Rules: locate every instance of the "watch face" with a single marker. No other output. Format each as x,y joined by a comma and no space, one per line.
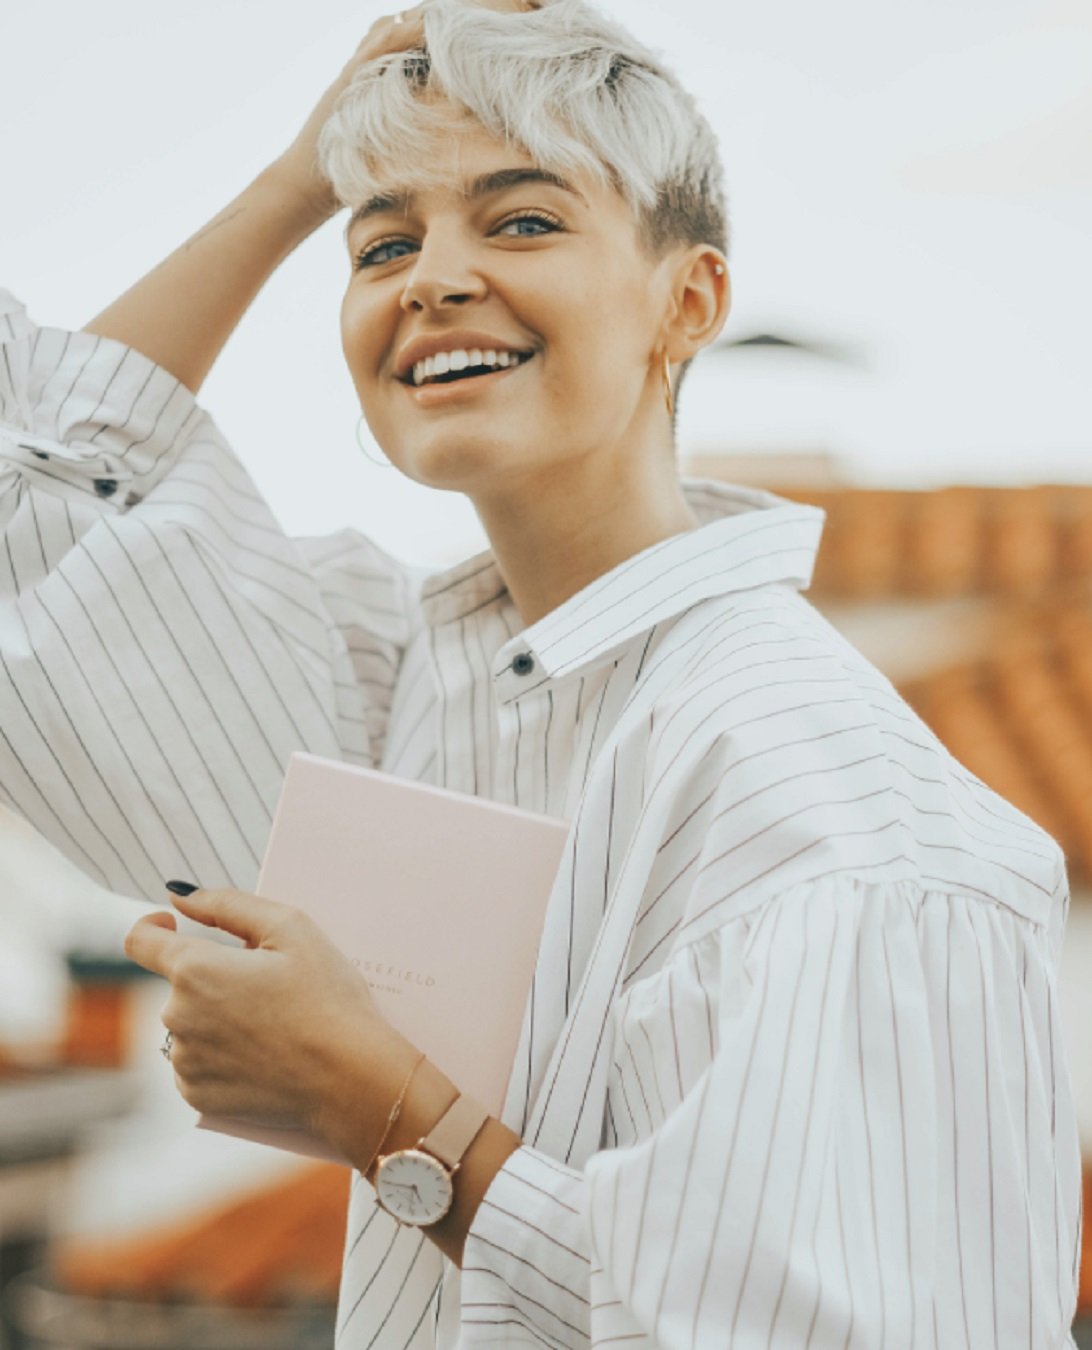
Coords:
414,1186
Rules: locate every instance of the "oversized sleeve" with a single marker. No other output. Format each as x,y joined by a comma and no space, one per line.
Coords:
371,597
164,645
843,1119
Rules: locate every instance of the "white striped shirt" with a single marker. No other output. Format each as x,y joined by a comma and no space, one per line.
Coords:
791,1072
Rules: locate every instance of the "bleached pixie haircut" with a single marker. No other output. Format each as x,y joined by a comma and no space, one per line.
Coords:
569,86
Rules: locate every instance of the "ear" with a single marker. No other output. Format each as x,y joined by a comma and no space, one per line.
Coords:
702,297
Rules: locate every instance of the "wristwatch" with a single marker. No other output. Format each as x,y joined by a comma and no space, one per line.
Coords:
415,1184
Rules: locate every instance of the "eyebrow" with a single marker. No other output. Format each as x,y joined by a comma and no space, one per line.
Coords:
498,181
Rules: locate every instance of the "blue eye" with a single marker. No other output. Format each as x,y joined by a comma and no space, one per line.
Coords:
374,256
370,256
546,223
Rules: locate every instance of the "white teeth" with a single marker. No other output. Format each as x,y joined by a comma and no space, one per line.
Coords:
462,359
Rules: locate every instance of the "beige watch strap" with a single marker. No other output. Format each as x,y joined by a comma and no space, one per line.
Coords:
456,1130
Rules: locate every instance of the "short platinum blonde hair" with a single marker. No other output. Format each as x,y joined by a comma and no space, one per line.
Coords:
562,81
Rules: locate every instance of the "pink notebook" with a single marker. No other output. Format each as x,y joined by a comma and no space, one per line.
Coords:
439,896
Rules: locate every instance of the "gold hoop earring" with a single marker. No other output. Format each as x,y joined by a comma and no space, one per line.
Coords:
669,393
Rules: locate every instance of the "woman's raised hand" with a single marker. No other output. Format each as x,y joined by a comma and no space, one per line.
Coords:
182,312
299,163
389,34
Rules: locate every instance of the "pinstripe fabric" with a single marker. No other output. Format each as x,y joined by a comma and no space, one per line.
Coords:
791,1071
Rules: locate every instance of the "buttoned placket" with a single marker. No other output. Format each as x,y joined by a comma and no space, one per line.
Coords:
523,693
516,671
479,726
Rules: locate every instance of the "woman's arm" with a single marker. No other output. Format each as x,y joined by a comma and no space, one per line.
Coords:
185,309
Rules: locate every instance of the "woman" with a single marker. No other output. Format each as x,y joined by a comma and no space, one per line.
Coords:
791,1070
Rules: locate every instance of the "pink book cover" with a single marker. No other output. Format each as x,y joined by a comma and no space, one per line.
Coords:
439,897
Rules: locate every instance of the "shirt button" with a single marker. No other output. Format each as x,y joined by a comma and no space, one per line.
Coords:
106,487
524,663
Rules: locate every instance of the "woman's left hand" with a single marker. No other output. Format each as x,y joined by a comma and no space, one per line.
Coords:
282,1030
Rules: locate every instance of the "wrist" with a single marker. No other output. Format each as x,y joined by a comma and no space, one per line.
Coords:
428,1096
359,1090
358,1124
306,194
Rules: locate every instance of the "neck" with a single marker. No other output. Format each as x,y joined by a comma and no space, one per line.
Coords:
556,533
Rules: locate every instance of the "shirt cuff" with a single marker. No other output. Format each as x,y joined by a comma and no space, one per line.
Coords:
88,410
527,1256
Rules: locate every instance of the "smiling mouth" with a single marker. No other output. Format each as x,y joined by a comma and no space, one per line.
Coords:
469,372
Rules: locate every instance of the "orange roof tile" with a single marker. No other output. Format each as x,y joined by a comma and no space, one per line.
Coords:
1017,542
1021,720
277,1243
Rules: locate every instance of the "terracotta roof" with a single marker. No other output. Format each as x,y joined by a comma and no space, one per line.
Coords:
1008,542
1021,720
277,1244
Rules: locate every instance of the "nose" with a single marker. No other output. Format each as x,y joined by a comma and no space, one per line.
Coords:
442,275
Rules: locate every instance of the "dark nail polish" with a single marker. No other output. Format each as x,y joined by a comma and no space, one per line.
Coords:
181,887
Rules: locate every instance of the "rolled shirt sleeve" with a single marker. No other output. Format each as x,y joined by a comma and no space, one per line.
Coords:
872,1154
527,1257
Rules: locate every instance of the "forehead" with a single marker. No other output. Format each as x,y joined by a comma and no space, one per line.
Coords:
465,162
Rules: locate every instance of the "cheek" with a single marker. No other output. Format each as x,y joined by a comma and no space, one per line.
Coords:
358,341
600,329
597,365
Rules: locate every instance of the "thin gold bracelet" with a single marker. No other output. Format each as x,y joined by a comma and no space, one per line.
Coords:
395,1109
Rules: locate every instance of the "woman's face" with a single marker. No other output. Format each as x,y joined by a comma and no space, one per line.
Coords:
549,277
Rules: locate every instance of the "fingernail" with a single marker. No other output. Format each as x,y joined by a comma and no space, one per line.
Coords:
181,887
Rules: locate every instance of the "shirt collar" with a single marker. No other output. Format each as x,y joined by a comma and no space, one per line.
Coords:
746,537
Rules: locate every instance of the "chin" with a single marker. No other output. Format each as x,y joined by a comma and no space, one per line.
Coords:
458,462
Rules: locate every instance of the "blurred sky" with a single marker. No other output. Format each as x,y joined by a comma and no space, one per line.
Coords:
912,182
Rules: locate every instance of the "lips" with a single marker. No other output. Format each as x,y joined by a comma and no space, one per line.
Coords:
453,391
464,372
435,344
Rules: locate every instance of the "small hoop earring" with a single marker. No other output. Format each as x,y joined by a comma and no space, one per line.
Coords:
382,463
669,393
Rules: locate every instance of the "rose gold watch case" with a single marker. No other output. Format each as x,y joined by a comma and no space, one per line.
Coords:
435,1165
